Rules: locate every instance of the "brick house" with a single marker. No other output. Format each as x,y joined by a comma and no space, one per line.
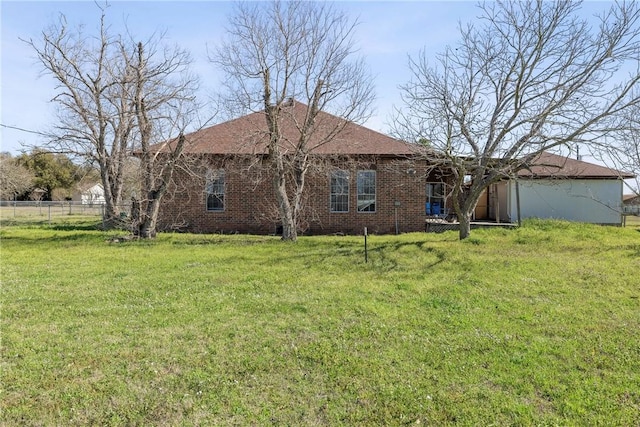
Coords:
360,178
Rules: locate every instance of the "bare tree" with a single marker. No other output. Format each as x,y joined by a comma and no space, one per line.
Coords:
624,151
531,76
116,97
278,54
15,178
162,92
94,120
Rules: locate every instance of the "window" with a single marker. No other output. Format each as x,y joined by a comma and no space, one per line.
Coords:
435,198
215,190
339,191
366,191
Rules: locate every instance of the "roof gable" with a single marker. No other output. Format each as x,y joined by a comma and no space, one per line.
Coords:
89,186
548,165
248,135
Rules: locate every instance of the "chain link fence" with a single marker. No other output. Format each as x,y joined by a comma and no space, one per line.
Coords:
51,212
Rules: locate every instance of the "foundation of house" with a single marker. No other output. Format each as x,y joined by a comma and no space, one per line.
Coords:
440,225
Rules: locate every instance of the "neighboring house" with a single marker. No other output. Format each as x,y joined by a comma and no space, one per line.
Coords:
89,194
631,204
361,178
557,187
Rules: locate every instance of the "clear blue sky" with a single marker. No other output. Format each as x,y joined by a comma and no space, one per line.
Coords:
388,32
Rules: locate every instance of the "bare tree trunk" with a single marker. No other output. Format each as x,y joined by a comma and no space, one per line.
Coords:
110,212
300,169
156,180
285,209
148,227
112,197
144,217
465,225
464,202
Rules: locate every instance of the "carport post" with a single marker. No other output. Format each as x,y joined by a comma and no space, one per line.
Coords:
518,203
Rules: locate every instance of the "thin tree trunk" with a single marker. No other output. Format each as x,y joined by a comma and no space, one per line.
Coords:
465,225
111,211
287,216
464,203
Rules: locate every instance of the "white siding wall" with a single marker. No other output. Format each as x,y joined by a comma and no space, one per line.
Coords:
93,195
595,201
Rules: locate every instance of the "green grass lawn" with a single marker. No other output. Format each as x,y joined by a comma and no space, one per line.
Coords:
633,221
534,326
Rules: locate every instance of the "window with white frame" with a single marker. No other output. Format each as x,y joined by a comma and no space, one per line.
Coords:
339,191
435,198
215,190
367,191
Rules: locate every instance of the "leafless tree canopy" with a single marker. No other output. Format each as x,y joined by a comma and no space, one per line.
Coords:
93,121
15,179
161,91
279,53
116,96
624,151
530,76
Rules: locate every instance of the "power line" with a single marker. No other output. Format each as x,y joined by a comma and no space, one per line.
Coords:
25,130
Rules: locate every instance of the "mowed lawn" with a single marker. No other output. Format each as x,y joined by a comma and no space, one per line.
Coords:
534,326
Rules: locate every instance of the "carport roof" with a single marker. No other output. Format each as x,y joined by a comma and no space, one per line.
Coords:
548,165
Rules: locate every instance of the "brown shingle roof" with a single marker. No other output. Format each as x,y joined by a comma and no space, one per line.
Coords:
247,135
549,165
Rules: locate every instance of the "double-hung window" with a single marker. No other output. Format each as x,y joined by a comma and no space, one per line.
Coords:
339,191
215,190
367,191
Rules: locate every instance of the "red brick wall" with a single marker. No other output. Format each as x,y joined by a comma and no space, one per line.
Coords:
250,204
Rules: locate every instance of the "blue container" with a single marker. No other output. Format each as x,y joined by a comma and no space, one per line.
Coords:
436,209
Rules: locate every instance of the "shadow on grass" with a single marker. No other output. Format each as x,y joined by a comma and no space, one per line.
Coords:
44,233
220,240
381,257
55,239
635,250
383,250
97,226
46,225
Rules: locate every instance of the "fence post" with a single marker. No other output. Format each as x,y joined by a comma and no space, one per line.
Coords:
49,214
366,252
